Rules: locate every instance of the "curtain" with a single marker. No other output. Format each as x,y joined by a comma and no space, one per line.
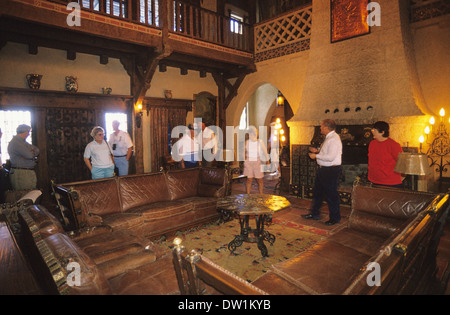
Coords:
162,121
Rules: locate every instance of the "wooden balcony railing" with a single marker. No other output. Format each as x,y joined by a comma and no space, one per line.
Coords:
182,18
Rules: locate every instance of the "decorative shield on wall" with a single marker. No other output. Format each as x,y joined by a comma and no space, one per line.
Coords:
205,107
348,19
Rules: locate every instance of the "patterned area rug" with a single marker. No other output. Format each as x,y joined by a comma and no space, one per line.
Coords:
246,261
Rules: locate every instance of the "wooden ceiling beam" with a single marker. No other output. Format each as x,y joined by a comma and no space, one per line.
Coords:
44,36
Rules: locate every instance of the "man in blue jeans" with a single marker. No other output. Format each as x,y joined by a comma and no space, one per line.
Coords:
329,160
122,148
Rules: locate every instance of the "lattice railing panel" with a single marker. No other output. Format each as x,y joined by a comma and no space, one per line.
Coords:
427,9
287,29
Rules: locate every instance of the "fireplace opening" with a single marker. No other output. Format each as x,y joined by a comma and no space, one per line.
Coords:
355,145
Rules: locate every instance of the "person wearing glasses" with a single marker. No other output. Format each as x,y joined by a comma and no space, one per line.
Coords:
23,158
98,156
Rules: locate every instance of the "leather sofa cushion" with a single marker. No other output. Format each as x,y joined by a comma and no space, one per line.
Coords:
88,232
326,268
44,220
399,204
120,221
202,202
112,268
157,278
98,197
163,210
273,284
139,190
366,243
374,224
212,176
109,245
183,184
116,252
208,190
92,280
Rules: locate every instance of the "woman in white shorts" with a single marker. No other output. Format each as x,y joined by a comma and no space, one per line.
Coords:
254,150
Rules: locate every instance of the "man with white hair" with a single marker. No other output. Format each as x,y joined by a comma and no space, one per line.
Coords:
122,148
23,157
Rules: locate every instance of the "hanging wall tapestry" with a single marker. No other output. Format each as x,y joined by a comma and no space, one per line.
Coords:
348,19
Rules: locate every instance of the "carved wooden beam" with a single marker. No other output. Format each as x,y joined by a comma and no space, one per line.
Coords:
232,88
144,73
146,70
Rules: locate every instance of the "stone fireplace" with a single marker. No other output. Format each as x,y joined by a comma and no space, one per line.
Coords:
358,81
355,141
355,145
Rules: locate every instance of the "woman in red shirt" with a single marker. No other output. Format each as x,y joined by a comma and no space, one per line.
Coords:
383,153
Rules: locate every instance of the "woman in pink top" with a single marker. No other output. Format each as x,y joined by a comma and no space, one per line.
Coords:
383,154
255,151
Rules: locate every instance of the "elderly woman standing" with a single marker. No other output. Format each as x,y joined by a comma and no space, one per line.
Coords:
97,155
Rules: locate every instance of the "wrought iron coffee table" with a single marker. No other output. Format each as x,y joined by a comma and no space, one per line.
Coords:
261,206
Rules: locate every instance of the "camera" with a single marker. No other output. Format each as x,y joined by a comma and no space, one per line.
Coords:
114,146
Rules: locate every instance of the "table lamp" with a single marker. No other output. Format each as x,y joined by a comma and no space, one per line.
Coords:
415,164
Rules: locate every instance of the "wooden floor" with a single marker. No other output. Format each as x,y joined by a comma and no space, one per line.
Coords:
293,215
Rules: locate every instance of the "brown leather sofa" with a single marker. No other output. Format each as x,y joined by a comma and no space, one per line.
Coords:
398,230
92,261
106,231
149,204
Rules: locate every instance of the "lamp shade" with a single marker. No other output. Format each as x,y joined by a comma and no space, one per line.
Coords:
412,164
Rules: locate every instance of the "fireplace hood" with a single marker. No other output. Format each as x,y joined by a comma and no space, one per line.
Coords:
362,79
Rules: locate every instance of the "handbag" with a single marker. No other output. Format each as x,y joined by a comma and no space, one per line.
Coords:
116,169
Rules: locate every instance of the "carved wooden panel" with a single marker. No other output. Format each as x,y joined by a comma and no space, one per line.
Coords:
68,133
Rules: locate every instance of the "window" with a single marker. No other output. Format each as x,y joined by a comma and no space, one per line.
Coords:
120,117
119,6
9,121
149,12
243,123
236,23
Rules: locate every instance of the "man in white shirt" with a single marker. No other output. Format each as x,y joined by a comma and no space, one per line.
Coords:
208,141
329,160
122,148
187,149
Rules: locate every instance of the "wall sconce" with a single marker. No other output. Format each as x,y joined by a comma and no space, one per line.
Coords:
280,99
139,115
440,144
